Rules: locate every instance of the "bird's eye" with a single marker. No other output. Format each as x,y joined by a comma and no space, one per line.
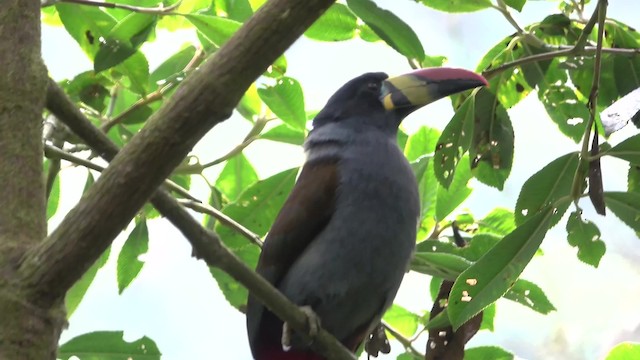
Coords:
374,86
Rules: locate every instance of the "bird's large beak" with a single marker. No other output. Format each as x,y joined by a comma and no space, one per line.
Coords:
413,90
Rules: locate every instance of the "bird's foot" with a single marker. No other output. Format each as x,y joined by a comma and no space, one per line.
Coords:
313,324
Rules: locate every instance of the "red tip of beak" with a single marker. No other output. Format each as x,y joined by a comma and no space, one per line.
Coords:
443,73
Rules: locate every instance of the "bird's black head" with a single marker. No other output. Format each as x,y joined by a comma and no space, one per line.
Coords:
375,100
358,98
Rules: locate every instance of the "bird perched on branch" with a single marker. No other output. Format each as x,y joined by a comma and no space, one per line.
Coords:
344,238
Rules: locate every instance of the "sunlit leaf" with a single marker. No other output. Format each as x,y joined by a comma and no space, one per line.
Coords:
336,24
491,276
530,295
284,133
286,100
236,176
546,187
75,295
108,345
456,6
402,320
624,351
487,353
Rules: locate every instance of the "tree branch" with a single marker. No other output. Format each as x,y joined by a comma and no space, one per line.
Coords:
202,102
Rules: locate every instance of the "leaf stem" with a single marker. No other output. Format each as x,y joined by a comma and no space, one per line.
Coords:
159,10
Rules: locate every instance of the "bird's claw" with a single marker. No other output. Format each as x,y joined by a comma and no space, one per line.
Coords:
313,324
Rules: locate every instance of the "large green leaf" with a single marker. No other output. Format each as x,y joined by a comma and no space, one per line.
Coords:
215,29
86,24
135,73
487,353
336,24
492,276
499,221
256,209
173,67
586,236
123,40
236,176
627,150
457,6
516,4
491,150
441,265
108,345
402,320
449,199
129,264
626,206
421,143
566,108
286,100
454,142
389,27
624,351
633,179
530,295
238,10
546,187
74,296
284,133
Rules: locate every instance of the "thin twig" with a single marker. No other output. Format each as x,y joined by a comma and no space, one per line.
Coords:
160,10
157,95
408,345
223,218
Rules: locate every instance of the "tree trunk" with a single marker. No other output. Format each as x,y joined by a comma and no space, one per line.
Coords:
26,331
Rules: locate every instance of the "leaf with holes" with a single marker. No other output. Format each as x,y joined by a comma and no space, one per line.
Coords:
454,142
530,295
86,24
108,345
626,206
546,187
586,236
286,100
256,208
449,199
492,276
124,40
491,149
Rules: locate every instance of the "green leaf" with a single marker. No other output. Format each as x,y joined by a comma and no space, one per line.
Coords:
624,351
492,145
215,29
458,191
566,108
86,24
421,143
586,236
136,73
546,187
124,40
454,142
336,24
236,176
75,295
286,100
628,150
250,105
90,88
284,133
530,295
256,209
516,4
488,316
402,320
487,353
428,188
129,264
626,206
442,265
633,179
457,6
239,10
499,221
626,70
491,276
173,67
101,345
389,27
